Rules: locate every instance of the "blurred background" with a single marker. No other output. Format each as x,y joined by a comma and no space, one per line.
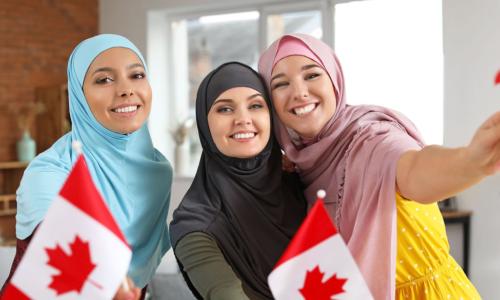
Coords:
434,60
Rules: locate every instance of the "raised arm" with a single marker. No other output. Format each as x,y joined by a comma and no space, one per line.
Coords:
435,173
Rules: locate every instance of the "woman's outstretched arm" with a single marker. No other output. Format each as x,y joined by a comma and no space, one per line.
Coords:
435,173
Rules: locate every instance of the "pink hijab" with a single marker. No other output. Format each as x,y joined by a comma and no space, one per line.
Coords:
354,159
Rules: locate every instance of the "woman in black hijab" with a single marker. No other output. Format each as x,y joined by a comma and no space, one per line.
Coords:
241,210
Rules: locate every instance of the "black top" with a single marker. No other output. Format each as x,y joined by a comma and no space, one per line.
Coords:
249,206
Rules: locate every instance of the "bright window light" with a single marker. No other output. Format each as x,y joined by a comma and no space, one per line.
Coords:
392,55
243,16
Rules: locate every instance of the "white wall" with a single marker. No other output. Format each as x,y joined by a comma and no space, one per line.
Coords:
472,57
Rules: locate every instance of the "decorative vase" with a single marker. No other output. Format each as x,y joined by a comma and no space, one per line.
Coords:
26,147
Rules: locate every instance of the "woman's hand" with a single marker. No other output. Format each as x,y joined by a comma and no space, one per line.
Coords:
484,149
133,292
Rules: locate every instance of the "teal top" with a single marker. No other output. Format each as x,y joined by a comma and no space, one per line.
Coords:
133,177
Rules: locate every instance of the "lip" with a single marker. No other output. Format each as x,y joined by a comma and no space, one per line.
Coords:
292,110
125,105
125,115
231,136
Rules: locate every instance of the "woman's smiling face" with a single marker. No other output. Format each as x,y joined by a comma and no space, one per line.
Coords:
117,91
303,95
239,122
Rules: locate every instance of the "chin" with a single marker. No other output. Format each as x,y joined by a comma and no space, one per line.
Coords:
127,130
246,154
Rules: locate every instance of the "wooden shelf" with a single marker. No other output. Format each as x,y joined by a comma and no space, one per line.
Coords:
13,165
8,205
456,214
8,243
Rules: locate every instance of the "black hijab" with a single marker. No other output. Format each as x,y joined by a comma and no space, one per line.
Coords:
249,206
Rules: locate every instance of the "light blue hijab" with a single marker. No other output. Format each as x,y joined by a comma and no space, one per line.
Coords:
133,177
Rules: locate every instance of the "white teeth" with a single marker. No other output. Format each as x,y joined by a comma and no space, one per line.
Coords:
244,135
304,109
126,109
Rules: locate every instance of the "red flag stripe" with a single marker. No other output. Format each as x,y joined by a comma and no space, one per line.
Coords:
316,228
497,78
79,189
13,293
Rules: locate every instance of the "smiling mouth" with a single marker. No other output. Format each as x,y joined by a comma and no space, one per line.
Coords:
243,136
299,111
126,109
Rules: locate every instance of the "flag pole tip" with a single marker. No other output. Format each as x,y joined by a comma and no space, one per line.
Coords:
77,146
321,194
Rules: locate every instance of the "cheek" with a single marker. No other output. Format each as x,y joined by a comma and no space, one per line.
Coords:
97,104
279,102
217,127
144,89
281,112
267,121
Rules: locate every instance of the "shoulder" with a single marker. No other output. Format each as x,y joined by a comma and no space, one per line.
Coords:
55,159
48,170
382,132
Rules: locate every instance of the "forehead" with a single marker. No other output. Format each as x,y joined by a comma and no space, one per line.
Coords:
237,93
293,63
115,57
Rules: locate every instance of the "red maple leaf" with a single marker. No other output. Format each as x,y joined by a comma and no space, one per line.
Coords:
75,267
315,289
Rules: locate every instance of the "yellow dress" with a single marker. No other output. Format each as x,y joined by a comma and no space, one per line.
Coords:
424,267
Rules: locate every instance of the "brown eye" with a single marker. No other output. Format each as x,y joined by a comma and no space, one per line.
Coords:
224,109
279,84
140,75
312,76
103,80
256,106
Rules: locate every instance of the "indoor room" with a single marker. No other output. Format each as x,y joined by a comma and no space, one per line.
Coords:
435,61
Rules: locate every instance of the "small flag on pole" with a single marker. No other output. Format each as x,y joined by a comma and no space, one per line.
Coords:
78,251
317,264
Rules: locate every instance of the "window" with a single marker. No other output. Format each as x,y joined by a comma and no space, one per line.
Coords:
390,57
200,43
294,22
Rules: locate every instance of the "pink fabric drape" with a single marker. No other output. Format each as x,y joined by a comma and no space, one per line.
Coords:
354,159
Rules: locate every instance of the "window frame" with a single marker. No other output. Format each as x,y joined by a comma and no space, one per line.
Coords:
166,115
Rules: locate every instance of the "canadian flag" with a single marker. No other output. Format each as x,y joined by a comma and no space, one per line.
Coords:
317,264
78,251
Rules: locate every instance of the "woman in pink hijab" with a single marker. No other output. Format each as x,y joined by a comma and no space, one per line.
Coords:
382,182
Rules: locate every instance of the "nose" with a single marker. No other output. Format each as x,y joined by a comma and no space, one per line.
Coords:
300,90
124,90
243,117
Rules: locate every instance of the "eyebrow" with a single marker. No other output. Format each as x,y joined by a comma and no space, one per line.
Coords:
303,68
108,69
231,100
222,100
255,96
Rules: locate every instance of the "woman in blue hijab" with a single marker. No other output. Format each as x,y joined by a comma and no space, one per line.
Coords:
109,103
